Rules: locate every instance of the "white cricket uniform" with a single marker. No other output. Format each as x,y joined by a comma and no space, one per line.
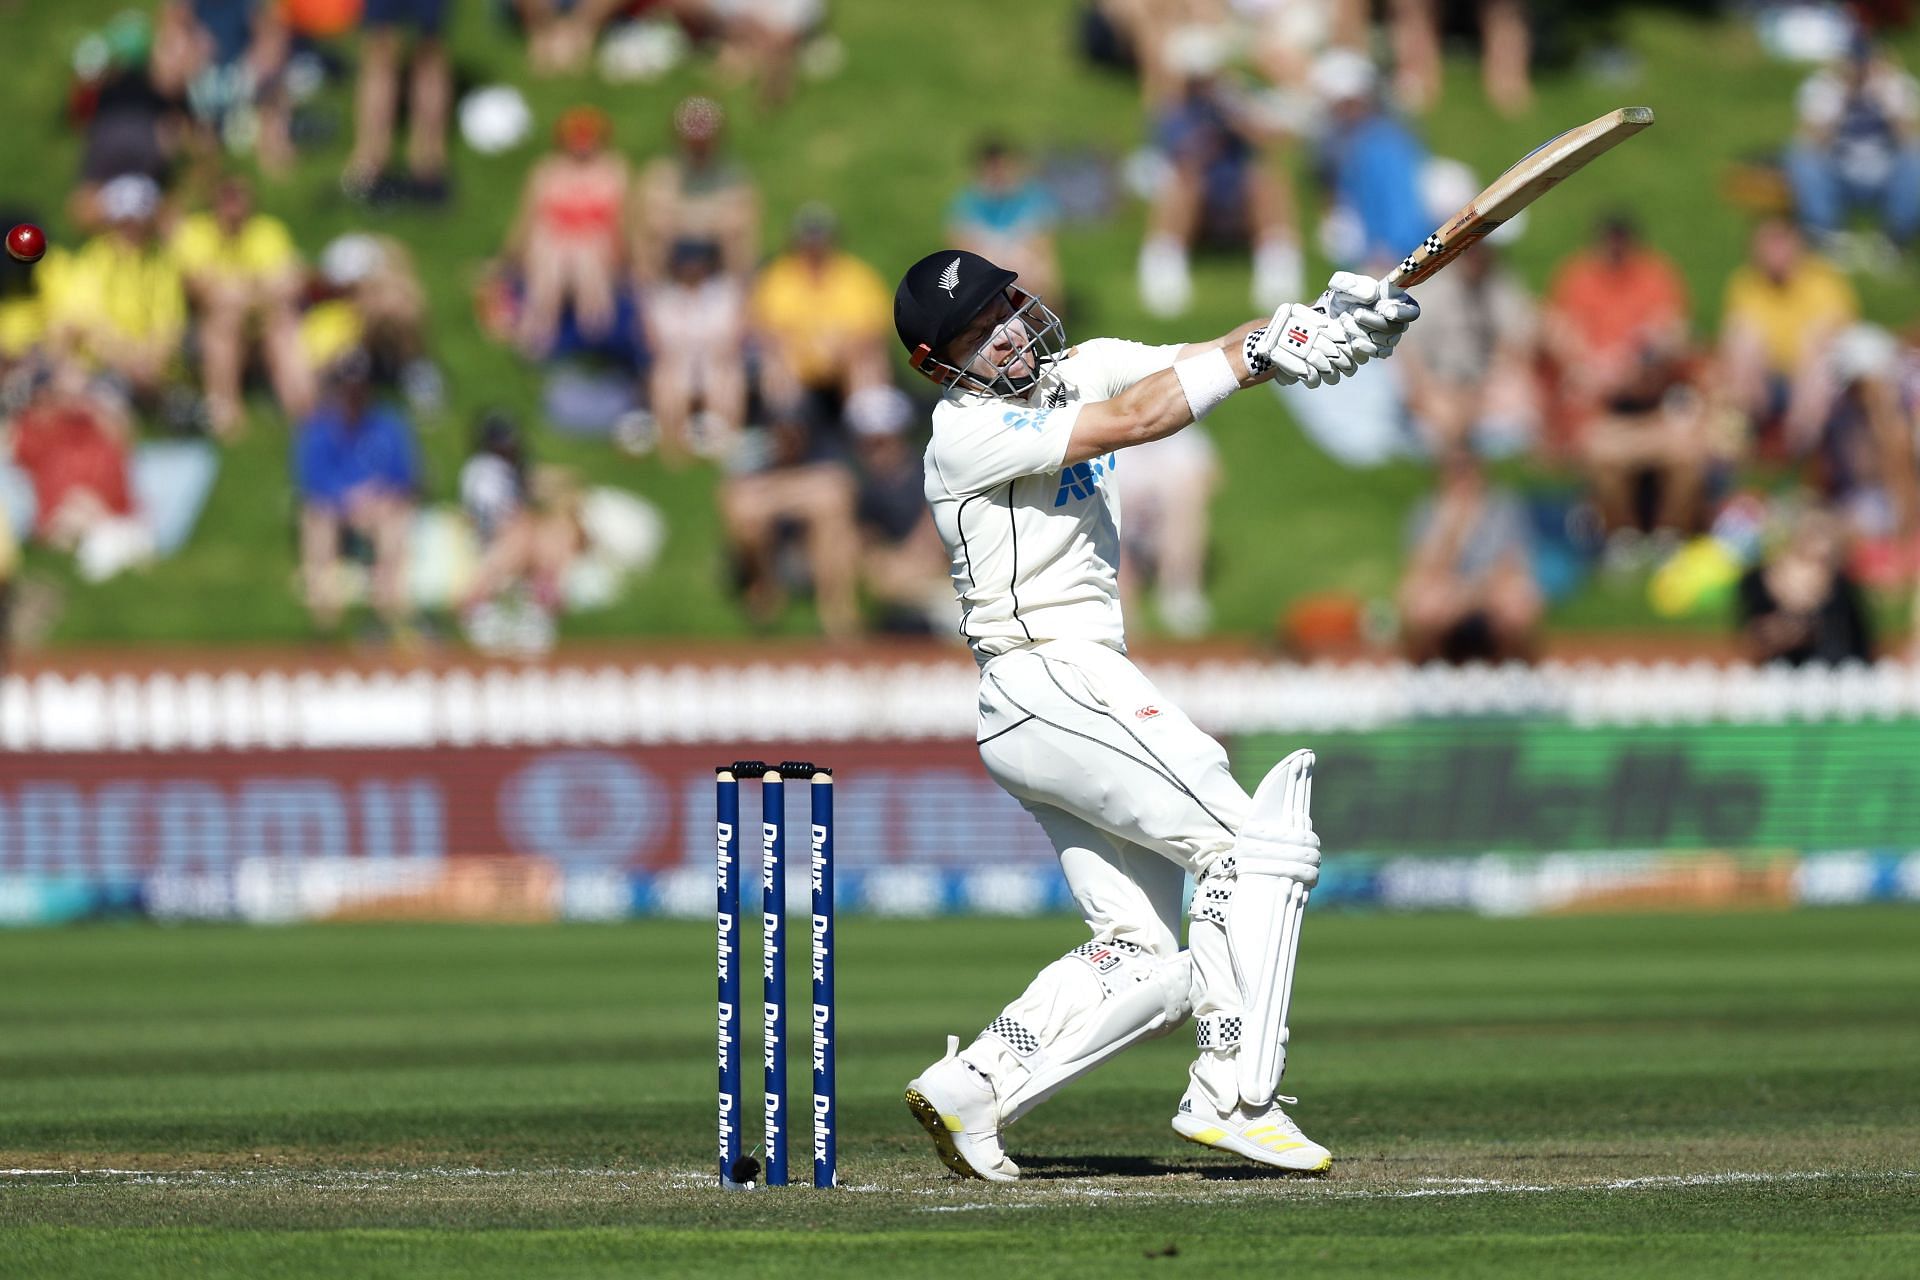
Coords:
1133,795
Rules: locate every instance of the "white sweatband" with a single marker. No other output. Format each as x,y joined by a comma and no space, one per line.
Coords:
1207,378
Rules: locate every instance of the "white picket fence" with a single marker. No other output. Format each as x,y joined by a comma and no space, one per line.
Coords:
768,702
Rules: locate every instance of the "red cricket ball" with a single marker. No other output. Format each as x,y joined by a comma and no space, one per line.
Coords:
27,242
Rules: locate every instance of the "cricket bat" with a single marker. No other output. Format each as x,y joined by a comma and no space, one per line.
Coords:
1538,172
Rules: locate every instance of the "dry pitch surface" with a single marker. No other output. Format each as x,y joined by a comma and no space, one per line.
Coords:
1670,1095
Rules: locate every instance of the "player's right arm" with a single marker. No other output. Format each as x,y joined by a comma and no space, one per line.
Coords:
1157,405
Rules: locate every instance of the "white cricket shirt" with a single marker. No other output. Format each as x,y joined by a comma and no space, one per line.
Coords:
1035,545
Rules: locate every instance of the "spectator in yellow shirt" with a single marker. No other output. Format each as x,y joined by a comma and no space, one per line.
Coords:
821,316
243,275
119,303
1783,310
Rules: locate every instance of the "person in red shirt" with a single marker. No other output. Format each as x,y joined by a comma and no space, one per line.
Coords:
75,449
1616,329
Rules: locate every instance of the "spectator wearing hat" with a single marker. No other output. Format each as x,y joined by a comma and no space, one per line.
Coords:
696,330
821,319
699,193
119,303
529,530
244,277
1370,164
566,241
372,300
357,474
1858,147
428,71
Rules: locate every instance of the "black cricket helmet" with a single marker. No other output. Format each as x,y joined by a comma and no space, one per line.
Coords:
943,294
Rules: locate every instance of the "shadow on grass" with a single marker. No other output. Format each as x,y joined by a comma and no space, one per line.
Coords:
1089,1166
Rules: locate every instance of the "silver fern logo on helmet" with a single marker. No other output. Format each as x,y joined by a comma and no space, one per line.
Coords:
950,278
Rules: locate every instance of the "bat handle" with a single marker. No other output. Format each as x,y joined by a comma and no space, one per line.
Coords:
1324,303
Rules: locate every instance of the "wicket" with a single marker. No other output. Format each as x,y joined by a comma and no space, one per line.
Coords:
734,1173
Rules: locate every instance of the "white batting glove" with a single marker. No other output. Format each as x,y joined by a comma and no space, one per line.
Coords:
1300,345
1371,314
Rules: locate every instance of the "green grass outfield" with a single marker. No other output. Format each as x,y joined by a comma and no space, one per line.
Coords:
1731,1095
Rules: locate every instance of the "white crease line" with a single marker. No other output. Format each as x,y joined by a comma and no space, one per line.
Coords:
1041,1194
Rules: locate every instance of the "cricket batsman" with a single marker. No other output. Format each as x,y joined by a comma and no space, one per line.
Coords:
1134,797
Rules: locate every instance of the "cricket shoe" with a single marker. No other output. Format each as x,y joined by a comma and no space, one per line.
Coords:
1267,1136
954,1103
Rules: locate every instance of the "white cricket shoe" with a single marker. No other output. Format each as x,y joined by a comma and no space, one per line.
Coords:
954,1103
1267,1136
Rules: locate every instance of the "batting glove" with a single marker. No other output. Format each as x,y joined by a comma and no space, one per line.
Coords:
1300,345
1371,314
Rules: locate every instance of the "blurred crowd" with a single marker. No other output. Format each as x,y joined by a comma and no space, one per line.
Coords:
1592,427
1761,470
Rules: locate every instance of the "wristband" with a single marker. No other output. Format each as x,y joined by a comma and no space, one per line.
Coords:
1207,379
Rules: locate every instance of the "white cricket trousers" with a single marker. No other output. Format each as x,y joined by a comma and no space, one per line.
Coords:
1134,798
1133,795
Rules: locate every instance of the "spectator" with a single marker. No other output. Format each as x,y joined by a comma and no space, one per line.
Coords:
697,193
1163,38
244,277
1468,593
1783,309
1216,188
1801,606
760,41
74,448
429,75
784,488
371,299
561,33
1470,379
566,240
1630,408
239,59
1867,446
529,532
1166,489
357,476
696,332
1007,217
1858,147
902,563
1506,46
133,111
119,303
1370,164
821,317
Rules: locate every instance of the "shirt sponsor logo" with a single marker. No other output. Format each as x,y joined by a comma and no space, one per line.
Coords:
1024,419
1082,480
1147,712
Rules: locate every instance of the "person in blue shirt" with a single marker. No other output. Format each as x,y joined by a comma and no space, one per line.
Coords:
357,472
1371,164
1007,216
